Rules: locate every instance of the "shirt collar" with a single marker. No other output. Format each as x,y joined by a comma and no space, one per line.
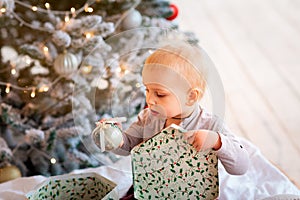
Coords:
192,116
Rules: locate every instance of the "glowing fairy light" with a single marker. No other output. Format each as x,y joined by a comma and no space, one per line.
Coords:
32,94
119,69
13,71
73,10
34,8
88,9
87,69
7,89
47,5
67,18
88,35
45,49
44,88
138,85
3,10
53,160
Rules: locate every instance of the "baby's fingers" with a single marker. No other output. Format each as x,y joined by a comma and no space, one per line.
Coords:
189,136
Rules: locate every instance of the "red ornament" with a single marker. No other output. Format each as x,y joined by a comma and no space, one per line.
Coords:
175,12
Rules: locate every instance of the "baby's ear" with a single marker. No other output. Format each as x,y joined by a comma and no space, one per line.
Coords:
193,96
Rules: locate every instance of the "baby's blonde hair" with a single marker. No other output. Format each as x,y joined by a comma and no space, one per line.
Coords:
185,59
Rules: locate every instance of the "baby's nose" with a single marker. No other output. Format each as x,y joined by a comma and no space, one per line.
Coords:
151,99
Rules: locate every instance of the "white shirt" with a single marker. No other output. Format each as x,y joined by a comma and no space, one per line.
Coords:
233,156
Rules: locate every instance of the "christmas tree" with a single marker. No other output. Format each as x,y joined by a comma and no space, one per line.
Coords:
65,65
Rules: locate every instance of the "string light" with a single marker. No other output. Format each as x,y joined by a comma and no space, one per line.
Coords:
88,35
119,69
88,9
3,10
7,89
13,71
46,52
47,5
138,85
32,94
53,160
46,49
34,8
44,88
85,8
73,10
87,69
56,12
67,18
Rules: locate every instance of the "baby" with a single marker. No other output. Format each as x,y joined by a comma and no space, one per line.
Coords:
175,80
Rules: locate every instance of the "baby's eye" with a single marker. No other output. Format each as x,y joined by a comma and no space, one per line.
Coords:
161,95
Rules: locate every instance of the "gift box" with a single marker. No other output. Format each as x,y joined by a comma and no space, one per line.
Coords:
167,167
75,186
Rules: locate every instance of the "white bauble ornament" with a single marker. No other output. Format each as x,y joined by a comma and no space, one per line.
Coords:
107,135
132,20
66,63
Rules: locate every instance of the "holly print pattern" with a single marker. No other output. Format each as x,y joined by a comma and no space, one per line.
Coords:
167,167
75,187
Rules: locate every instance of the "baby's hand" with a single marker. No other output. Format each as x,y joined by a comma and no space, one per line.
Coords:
107,135
116,121
203,139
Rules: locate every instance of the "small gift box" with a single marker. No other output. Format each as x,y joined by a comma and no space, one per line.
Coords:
167,167
75,186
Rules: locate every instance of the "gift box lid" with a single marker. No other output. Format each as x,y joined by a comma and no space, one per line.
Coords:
167,167
75,186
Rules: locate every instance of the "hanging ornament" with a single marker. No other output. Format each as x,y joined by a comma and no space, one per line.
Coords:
174,13
66,64
9,173
132,20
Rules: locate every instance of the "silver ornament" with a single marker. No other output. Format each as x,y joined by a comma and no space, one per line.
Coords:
132,20
107,136
66,64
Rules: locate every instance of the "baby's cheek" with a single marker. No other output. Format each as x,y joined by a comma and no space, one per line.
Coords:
162,111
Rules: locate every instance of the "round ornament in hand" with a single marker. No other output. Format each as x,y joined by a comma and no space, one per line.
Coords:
132,20
66,64
107,136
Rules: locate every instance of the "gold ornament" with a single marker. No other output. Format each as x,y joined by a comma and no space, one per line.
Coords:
9,173
66,64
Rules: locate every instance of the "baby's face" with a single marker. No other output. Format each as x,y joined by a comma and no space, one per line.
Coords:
166,91
163,103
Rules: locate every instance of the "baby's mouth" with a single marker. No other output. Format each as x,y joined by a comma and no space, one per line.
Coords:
154,112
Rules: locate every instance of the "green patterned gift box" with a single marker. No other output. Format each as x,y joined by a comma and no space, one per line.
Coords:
167,167
76,187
